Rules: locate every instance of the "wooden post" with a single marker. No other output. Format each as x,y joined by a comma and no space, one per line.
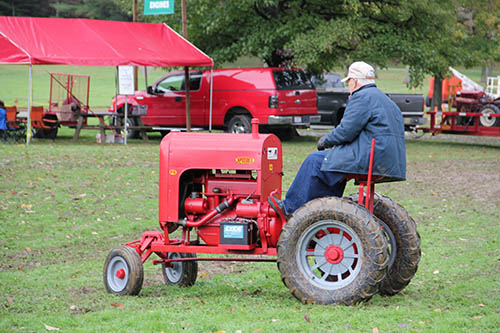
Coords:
134,19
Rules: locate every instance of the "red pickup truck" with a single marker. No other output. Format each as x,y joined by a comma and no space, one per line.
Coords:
281,99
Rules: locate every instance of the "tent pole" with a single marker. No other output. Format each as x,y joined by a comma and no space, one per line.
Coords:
30,102
211,94
115,118
125,126
188,98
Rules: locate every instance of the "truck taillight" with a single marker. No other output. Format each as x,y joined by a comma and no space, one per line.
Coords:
273,101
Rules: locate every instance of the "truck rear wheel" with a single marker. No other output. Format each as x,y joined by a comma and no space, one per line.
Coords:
487,120
404,243
239,124
332,251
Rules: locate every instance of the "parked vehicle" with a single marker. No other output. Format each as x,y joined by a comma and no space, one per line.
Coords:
332,100
281,99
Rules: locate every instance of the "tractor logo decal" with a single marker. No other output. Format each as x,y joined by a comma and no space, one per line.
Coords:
244,160
172,172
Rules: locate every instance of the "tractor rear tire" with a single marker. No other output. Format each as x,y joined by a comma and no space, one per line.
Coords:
181,273
123,271
332,251
404,243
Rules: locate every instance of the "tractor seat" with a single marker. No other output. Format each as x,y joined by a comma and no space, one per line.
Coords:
363,178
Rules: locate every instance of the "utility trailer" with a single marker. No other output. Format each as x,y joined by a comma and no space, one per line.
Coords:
477,112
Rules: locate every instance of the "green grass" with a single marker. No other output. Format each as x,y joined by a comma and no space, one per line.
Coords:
64,206
14,83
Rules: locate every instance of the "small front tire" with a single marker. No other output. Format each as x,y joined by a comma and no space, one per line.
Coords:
123,271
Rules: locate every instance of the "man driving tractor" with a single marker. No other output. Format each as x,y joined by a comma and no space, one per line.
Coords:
369,114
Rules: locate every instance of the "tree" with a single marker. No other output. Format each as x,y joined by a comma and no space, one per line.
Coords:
25,8
92,9
320,34
481,22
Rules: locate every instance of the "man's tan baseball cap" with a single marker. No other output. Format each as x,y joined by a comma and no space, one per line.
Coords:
360,70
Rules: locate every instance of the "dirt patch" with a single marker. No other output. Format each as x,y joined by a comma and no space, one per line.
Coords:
475,180
207,269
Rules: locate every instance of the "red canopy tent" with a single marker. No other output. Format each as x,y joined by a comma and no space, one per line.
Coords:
84,42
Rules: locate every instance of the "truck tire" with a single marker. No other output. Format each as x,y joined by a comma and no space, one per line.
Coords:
181,273
486,120
239,124
332,251
123,271
131,134
403,240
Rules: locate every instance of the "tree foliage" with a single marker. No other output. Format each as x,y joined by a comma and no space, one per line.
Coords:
25,8
92,9
481,29
318,35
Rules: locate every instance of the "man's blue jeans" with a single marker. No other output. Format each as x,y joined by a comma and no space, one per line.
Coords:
311,183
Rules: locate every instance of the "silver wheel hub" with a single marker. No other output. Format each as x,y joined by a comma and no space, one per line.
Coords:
329,254
117,274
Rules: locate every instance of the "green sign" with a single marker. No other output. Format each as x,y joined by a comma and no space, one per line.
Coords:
157,7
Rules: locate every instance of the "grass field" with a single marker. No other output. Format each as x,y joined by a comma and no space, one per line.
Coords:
64,206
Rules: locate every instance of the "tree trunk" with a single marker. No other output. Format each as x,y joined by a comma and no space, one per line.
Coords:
437,93
486,71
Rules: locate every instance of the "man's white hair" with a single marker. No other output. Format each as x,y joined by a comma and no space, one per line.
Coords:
364,82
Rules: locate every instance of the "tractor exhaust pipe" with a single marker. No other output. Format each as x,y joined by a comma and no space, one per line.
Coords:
255,128
219,209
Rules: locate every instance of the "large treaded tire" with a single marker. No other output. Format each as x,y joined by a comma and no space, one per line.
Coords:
403,229
332,223
182,273
123,271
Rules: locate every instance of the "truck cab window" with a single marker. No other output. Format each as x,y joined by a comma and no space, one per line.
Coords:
176,83
170,83
194,81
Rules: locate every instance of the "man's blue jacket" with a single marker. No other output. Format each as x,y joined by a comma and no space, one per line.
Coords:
369,114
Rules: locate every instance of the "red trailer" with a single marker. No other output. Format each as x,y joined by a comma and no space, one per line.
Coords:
476,114
477,109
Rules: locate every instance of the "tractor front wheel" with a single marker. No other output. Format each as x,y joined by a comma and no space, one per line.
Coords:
180,273
332,252
123,272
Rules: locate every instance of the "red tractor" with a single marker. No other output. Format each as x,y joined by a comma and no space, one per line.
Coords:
221,190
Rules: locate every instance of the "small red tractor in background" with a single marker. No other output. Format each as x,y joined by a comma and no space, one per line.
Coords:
221,189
